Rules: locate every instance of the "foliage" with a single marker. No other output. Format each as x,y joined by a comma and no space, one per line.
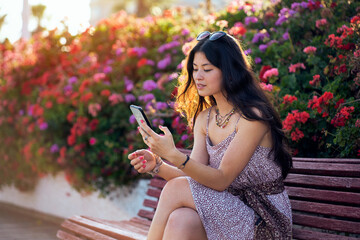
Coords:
65,99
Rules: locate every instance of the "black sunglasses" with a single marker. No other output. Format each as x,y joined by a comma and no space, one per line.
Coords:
213,36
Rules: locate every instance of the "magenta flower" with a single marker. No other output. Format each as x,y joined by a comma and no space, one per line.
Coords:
161,105
129,85
54,148
162,64
184,137
107,69
130,98
72,80
149,85
92,141
263,47
258,60
185,31
43,126
147,97
132,119
285,36
249,20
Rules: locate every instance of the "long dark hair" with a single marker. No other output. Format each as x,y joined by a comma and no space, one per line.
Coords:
240,87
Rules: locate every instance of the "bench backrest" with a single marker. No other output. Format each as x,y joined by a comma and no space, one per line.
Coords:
324,195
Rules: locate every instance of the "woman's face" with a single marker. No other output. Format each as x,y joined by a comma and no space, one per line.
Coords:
207,77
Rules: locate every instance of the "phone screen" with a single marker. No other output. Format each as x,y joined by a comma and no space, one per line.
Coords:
139,115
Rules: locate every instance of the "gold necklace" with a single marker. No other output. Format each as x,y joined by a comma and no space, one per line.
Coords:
222,121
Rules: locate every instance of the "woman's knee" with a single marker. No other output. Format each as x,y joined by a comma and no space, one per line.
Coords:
183,221
174,188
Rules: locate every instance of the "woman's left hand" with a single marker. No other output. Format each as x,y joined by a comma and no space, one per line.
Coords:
162,145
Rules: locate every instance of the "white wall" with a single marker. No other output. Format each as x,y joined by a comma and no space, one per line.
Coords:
54,196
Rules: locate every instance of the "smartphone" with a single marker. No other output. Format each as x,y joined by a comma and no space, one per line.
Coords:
139,115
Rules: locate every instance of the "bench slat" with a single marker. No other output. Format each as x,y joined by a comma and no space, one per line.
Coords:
303,234
327,209
116,233
141,221
327,160
324,195
128,225
331,169
323,181
146,214
64,235
83,231
153,192
150,203
157,183
326,223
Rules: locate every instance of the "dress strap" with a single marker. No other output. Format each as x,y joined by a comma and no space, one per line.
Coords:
236,123
207,124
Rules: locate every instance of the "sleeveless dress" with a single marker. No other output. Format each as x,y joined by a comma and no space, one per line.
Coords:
223,215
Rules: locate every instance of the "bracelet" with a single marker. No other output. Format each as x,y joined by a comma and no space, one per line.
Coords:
157,166
183,165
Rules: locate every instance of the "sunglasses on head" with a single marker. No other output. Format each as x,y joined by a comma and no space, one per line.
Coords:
213,36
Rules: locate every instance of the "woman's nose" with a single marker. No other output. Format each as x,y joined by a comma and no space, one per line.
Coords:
198,75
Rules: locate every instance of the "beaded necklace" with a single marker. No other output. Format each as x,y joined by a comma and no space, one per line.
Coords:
222,121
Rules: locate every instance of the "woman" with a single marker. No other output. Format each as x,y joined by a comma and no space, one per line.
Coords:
231,187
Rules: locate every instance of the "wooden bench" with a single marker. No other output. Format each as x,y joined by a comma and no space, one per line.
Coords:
324,195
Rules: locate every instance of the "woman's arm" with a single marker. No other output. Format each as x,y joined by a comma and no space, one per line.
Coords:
236,157
198,153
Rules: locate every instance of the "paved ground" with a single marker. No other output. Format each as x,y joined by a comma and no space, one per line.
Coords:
17,224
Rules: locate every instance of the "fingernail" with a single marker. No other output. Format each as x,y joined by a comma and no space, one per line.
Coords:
144,161
144,166
141,157
142,121
138,128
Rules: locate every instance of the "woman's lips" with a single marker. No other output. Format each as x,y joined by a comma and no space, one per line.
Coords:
200,86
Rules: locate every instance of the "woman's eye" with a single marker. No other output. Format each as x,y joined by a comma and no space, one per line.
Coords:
195,70
208,70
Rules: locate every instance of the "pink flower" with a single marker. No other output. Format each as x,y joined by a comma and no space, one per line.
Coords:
99,76
92,141
115,98
321,22
315,81
222,24
310,50
272,72
294,67
94,109
266,87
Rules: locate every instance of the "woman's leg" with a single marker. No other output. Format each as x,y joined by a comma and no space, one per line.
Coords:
184,224
175,194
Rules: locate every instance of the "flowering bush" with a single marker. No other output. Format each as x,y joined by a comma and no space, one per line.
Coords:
65,99
307,55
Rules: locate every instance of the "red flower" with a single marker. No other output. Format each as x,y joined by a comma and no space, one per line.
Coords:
141,62
105,93
289,121
341,117
339,102
93,124
87,97
289,99
297,135
70,116
316,79
71,140
262,72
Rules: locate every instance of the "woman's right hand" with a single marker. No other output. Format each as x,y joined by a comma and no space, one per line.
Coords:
143,160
